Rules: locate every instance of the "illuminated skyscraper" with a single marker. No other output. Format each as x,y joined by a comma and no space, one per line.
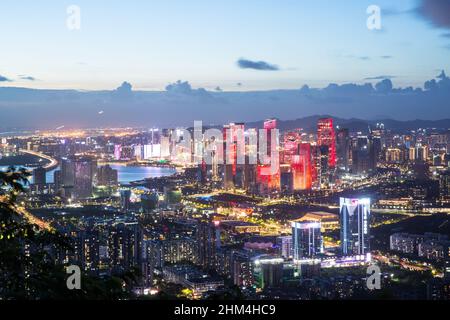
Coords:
269,182
375,150
67,173
117,152
241,268
270,124
297,156
302,168
39,176
395,155
207,244
284,245
106,176
85,172
83,250
291,143
354,221
444,184
362,156
125,243
343,149
228,177
249,179
165,147
286,178
306,239
422,152
326,137
214,166
76,177
320,166
231,135
271,274
125,199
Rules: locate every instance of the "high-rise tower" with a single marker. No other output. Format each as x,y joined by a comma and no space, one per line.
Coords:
354,220
326,136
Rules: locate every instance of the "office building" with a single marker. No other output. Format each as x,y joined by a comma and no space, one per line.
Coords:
284,245
326,136
354,221
343,149
39,176
306,239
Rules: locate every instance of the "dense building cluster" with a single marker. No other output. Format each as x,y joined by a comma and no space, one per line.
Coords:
287,216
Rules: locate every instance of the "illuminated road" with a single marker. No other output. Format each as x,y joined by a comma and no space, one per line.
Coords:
399,212
27,215
20,209
403,263
53,162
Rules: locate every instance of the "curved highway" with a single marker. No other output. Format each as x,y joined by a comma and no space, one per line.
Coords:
53,162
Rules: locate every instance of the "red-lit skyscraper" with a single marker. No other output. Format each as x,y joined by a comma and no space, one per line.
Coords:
270,125
326,136
291,144
302,168
269,181
231,149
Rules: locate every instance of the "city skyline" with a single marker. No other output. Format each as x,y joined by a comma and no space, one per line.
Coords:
241,151
320,220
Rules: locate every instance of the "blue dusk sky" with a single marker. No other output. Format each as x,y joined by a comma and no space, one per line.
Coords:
234,45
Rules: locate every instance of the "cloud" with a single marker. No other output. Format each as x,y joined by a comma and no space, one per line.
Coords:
257,65
442,75
125,88
362,58
384,86
395,12
380,77
442,84
4,79
167,109
437,12
304,89
124,92
29,78
185,88
347,90
368,58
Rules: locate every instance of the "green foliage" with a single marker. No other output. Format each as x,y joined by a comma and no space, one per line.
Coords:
27,268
